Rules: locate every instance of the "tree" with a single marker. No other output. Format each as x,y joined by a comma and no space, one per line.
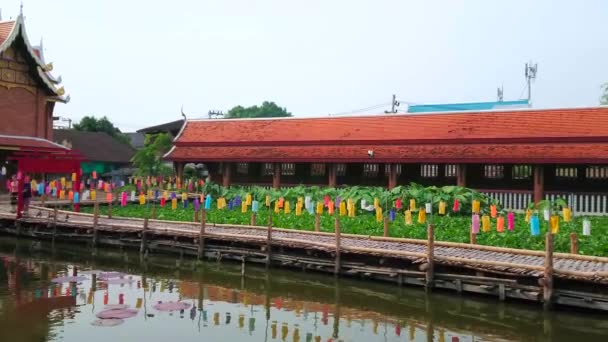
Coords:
148,160
93,124
604,97
266,110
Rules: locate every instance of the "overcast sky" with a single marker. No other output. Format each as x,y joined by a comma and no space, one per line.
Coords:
138,62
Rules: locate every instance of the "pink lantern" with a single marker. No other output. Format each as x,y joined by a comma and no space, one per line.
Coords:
475,224
510,221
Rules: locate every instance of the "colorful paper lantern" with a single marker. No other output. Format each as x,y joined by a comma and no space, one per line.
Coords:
287,208
485,223
342,209
244,207
428,207
421,215
442,206
586,227
511,221
412,205
208,202
163,201
456,206
546,214
330,208
76,198
567,214
255,206
109,197
230,204
475,224
248,199
268,201
493,211
528,215
408,217
500,224
376,203
476,206
398,203
174,204
554,224
142,199
378,214
93,195
299,209
319,208
534,226
392,215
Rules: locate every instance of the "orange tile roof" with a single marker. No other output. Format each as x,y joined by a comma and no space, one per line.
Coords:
577,135
6,27
580,124
28,143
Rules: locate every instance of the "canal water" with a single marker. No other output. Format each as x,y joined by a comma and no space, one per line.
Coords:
58,294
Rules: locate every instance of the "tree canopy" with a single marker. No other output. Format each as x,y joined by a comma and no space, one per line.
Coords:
148,160
266,110
103,124
604,97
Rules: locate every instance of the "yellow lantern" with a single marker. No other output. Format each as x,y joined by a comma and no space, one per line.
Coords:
298,209
319,208
174,204
93,195
184,196
554,224
528,214
166,195
268,201
62,194
485,223
287,207
412,205
376,203
277,208
378,214
421,215
343,208
142,199
567,214
476,206
442,206
300,200
248,199
244,207
408,217
63,182
73,176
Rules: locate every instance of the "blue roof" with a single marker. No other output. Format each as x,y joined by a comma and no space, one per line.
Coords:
453,107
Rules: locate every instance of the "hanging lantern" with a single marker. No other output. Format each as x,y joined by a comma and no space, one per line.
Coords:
197,205
567,214
62,179
546,214
326,200
330,208
230,204
500,224
109,197
421,215
493,211
208,202
337,202
76,198
342,208
476,206
174,204
511,221
281,202
94,174
244,207
299,209
248,199
442,206
408,217
142,199
392,215
456,206
133,196
554,223
428,208
485,223
378,214
185,204
287,208
412,205
376,202
268,201
319,208
586,227
255,206
351,209
163,201
534,226
71,195
123,199
93,195
173,195
475,224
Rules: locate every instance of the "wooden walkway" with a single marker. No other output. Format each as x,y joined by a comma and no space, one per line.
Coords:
516,273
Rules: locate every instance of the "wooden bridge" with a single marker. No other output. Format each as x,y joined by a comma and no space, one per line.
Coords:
541,276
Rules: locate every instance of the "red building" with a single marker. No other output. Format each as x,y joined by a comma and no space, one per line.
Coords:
28,93
516,155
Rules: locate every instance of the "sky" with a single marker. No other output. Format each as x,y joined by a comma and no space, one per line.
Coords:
139,62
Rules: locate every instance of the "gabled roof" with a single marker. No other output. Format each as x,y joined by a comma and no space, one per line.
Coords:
12,30
95,146
574,135
23,143
173,126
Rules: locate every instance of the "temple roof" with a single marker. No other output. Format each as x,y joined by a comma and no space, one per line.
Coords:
95,146
10,31
22,143
573,135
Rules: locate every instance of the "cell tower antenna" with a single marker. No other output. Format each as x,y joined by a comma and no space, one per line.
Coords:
530,73
500,93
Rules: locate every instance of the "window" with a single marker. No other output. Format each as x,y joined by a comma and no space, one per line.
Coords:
242,168
522,172
317,169
429,170
370,170
288,169
340,170
596,172
566,172
451,170
494,171
387,169
267,169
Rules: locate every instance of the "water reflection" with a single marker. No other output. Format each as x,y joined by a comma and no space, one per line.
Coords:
57,294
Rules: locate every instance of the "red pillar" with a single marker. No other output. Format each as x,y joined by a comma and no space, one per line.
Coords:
331,175
226,174
76,188
392,176
539,183
276,175
461,175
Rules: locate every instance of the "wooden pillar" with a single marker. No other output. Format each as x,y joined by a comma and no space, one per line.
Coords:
539,183
331,174
392,176
269,241
179,169
226,174
201,235
430,253
461,175
276,175
548,274
338,237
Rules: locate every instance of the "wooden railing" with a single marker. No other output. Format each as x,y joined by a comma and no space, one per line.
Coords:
581,203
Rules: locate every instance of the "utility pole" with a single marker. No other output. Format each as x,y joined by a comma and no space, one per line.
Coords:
394,105
530,75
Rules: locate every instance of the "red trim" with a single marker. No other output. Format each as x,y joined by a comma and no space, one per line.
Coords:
505,141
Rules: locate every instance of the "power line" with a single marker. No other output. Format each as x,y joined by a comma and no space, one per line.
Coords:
362,109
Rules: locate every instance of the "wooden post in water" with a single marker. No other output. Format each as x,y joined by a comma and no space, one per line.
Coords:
548,273
95,222
201,236
142,247
386,226
154,211
338,237
253,219
317,222
55,213
269,241
195,216
430,252
573,243
110,208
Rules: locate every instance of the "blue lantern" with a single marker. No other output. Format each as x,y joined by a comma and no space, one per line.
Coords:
534,226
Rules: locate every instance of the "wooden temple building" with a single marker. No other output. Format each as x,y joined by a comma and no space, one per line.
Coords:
527,152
